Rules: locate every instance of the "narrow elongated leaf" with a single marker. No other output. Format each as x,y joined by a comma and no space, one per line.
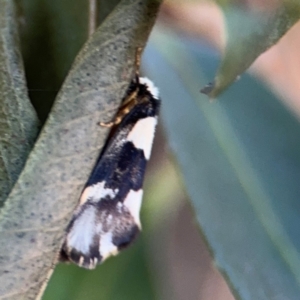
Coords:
19,123
240,161
40,205
249,34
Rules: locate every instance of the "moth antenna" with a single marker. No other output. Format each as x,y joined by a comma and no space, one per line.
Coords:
138,55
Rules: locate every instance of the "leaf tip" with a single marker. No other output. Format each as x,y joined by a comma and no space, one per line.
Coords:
208,89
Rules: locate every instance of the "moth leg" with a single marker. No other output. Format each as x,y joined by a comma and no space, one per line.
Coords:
128,103
130,100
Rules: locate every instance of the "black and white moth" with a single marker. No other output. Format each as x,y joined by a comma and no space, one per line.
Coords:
106,219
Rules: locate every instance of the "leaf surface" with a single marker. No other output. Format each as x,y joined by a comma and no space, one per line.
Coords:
19,123
239,157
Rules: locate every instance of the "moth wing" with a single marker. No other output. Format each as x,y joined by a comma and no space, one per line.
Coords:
101,227
81,245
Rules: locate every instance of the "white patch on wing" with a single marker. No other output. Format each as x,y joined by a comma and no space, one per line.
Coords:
151,87
133,202
81,261
93,263
106,247
82,232
142,135
96,192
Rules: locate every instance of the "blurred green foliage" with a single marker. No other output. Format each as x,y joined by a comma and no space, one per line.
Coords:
123,277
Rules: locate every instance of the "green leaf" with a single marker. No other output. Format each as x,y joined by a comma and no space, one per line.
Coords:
249,34
19,123
42,201
240,160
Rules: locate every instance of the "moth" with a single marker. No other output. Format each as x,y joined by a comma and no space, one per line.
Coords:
106,219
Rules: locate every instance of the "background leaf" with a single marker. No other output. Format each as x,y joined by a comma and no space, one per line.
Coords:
249,34
240,160
19,123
